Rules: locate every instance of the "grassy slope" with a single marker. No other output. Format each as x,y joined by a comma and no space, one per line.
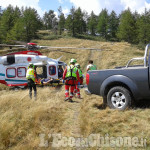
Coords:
22,119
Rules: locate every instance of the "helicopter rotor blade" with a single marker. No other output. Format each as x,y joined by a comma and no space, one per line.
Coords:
5,45
57,50
12,50
78,48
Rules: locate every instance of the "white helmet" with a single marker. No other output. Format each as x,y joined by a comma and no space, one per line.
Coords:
72,61
77,65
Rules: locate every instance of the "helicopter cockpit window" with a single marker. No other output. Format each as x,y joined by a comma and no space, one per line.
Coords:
41,71
52,70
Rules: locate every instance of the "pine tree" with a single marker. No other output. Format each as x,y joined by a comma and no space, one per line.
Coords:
55,25
102,26
85,21
143,26
32,23
78,21
18,32
92,23
70,25
1,13
127,27
75,22
61,23
16,16
7,22
48,19
113,25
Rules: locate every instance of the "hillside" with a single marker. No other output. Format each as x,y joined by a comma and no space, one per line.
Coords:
25,121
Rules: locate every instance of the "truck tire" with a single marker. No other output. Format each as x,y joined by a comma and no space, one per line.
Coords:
118,98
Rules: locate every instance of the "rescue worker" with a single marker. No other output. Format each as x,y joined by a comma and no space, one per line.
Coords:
77,90
71,77
31,80
91,66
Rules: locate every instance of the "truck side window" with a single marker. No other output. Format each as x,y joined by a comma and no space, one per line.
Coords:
52,70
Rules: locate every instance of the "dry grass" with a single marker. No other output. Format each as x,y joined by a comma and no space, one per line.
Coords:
22,119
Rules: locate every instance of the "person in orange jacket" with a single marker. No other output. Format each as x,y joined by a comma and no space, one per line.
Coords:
71,77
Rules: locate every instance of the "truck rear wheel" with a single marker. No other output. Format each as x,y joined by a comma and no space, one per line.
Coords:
118,98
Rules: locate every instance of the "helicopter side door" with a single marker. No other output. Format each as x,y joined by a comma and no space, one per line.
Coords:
41,71
52,70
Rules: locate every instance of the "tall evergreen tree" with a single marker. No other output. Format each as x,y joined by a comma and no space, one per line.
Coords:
92,23
75,22
1,13
18,32
78,21
70,26
7,22
55,25
48,19
113,25
143,26
32,23
16,16
127,27
85,21
102,26
61,22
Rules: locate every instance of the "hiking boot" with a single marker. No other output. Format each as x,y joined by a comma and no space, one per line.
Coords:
70,100
79,97
67,98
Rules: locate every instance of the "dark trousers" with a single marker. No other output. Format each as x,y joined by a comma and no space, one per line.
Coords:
31,85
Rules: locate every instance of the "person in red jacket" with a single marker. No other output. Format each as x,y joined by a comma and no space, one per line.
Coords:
71,77
77,90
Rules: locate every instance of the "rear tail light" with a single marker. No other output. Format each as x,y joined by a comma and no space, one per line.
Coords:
87,78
